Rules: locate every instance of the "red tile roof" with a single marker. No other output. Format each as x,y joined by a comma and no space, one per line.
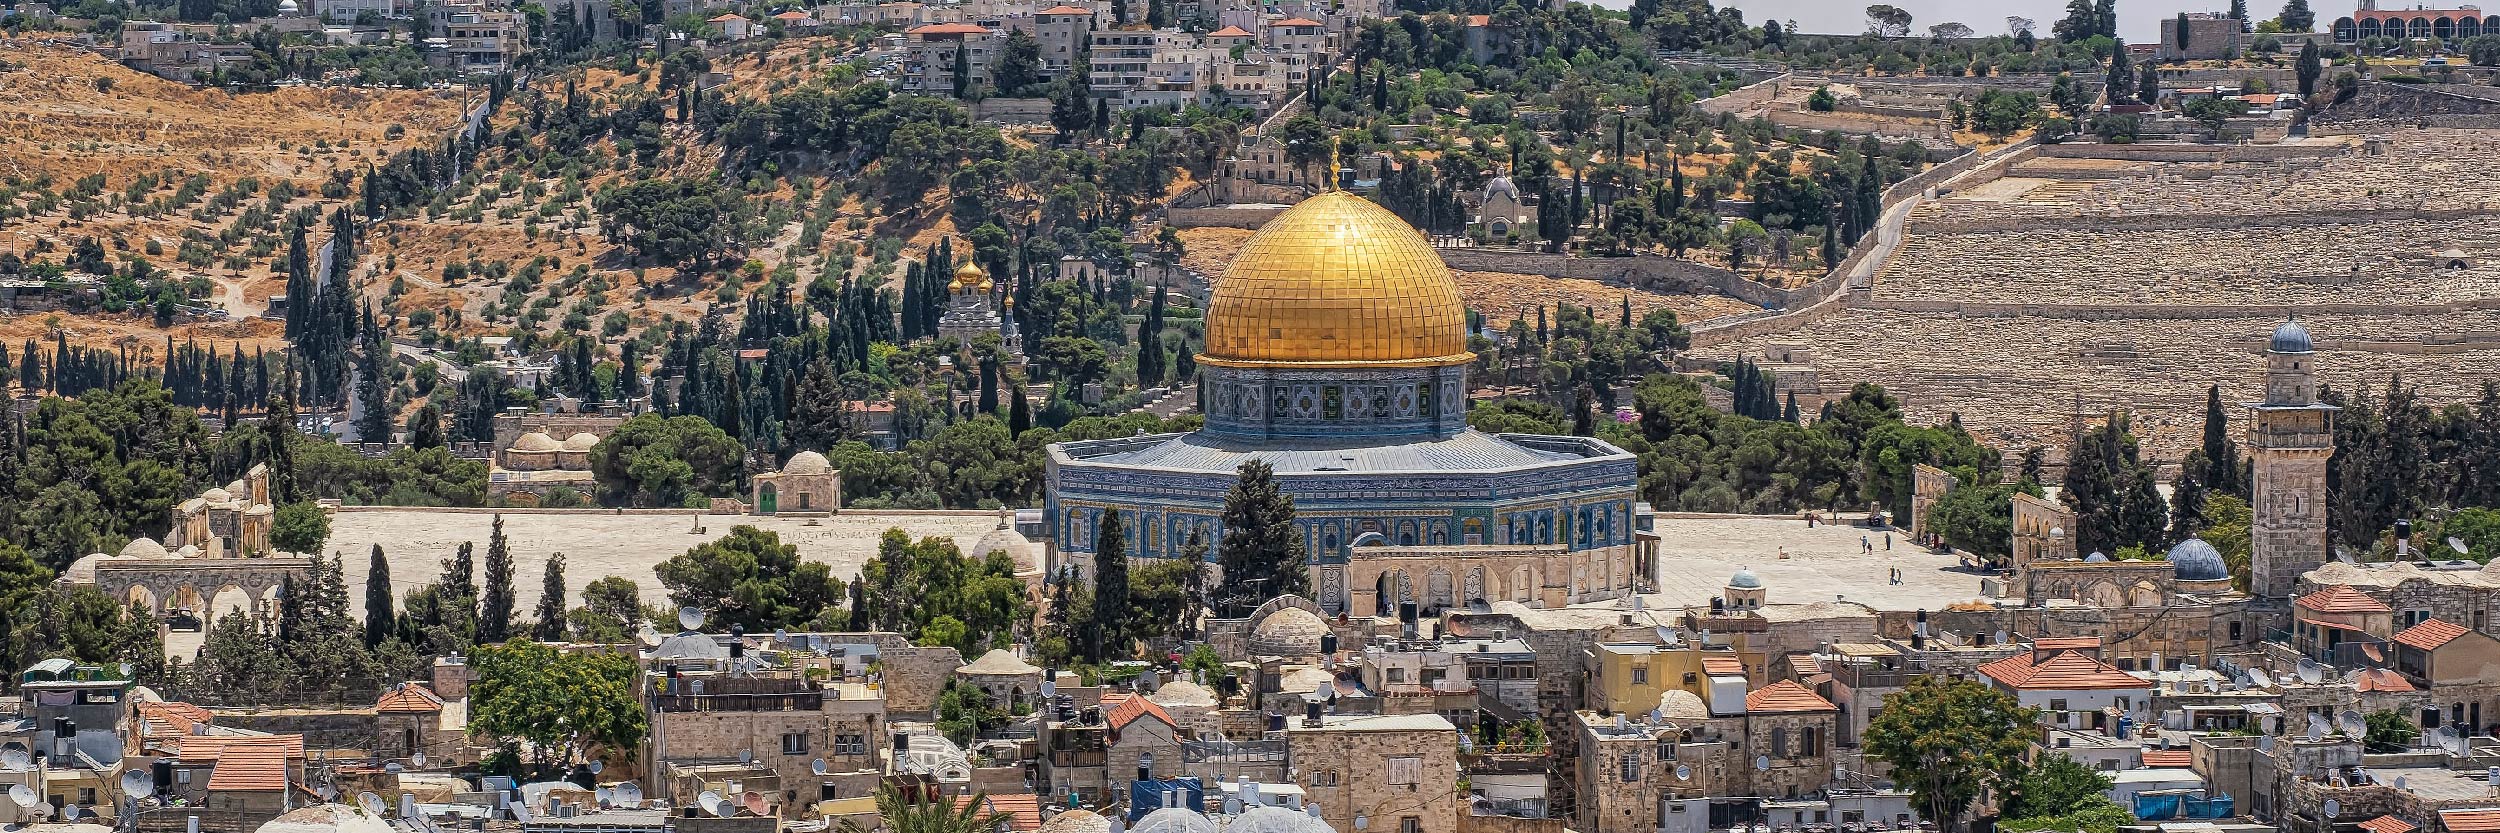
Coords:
1786,696
2062,643
1063,9
164,720
2430,634
2387,824
726,18
1299,21
408,698
255,763
2381,679
1132,708
2063,671
1479,20
2470,821
1023,810
792,14
1722,666
2167,758
1229,32
2341,598
948,29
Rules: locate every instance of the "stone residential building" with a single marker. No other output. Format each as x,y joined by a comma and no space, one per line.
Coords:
1390,772
2459,666
1788,728
929,52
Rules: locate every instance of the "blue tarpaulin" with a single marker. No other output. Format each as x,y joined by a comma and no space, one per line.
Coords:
2170,805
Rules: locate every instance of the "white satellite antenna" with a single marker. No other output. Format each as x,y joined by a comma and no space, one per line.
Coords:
2400,782
1762,763
607,797
690,618
137,782
372,803
710,802
780,635
816,766
2333,808
649,635
15,758
69,812
2352,723
329,794
24,796
2345,555
1683,772
2457,545
416,759
2309,671
1232,806
127,670
746,756
629,794
596,765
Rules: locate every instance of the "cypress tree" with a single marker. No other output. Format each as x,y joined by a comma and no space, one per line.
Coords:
1019,414
1109,634
551,625
457,592
494,620
2220,455
988,402
378,616
2187,502
1261,553
1184,363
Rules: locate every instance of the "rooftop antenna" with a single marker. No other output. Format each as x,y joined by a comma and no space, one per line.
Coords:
2457,545
15,759
629,795
137,782
372,803
710,801
690,618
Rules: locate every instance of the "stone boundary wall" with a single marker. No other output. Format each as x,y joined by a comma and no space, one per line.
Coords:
2141,312
1648,270
2184,152
532,510
1012,110
1743,98
1240,217
1821,299
2358,127
2173,222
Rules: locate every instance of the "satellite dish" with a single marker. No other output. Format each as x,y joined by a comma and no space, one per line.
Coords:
2400,782
2309,671
596,766
372,803
417,759
2333,808
607,797
746,756
137,783
756,804
1683,773
24,796
1232,806
2457,545
1762,763
710,802
629,794
394,768
690,618
128,669
69,812
15,758
2345,555
329,794
649,635
780,635
816,766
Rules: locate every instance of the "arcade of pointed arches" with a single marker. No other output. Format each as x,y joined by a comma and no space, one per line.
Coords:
2433,24
208,589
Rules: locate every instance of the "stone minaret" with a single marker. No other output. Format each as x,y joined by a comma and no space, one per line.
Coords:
2290,437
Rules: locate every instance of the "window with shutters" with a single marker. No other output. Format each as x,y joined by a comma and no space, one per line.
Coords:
1405,771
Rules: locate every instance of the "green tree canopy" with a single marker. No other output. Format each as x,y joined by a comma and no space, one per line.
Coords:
751,579
562,703
1949,741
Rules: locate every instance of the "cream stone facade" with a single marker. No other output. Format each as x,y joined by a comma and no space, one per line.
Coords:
1393,772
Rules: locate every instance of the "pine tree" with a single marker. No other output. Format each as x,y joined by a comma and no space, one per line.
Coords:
494,610
378,616
1108,636
551,625
1184,363
1261,553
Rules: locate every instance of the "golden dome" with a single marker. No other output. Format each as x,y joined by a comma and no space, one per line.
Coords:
1336,281
970,275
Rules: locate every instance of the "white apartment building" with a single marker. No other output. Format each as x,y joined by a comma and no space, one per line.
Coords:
929,56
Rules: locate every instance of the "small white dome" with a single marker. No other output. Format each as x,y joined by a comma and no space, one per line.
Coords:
144,547
1678,704
1745,580
288,7
217,495
584,441
536,441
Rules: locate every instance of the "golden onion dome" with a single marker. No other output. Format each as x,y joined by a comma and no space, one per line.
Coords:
1336,281
970,275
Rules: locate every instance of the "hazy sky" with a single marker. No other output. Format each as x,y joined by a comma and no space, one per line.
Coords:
2138,20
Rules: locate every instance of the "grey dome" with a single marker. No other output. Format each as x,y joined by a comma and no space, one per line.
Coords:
2198,561
2290,338
2096,558
1744,580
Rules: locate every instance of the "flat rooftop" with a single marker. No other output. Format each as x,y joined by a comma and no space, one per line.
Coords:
1825,563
